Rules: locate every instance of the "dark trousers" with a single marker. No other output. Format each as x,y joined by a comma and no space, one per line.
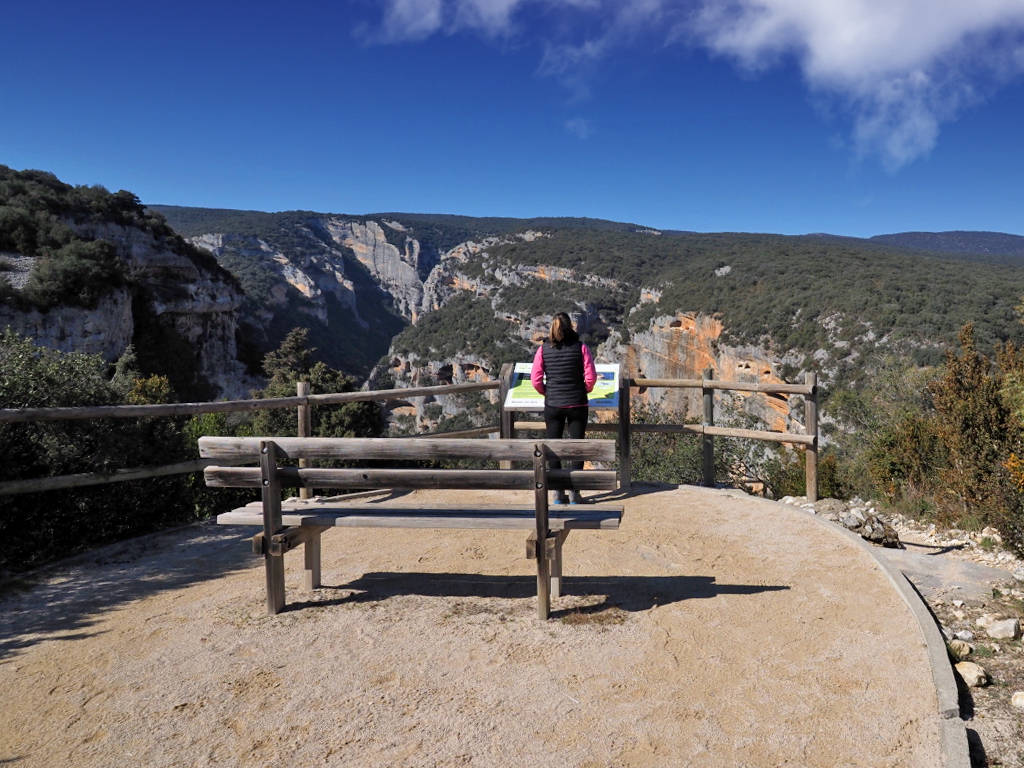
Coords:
556,420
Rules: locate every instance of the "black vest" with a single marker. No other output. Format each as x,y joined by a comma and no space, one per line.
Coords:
563,374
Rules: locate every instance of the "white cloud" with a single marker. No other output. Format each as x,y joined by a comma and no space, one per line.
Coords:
901,67
573,63
580,127
898,68
493,17
409,20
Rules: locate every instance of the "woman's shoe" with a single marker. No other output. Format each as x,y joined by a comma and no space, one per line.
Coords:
575,498
559,498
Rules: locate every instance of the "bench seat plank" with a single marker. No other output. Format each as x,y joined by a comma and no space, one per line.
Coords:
590,516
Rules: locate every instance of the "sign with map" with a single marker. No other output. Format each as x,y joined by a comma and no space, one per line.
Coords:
523,397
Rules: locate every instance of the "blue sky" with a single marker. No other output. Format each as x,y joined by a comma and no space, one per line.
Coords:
855,117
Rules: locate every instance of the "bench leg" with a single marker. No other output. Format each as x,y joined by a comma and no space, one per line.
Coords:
274,565
311,555
543,585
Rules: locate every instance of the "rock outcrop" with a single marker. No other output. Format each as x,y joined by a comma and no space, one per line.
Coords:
198,301
683,346
314,272
105,330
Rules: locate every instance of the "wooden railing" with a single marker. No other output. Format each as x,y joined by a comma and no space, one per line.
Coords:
506,427
707,429
303,402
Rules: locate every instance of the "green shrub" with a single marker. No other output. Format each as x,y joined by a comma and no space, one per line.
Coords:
42,526
291,362
660,457
78,273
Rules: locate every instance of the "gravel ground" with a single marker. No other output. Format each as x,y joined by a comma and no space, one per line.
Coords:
972,577
713,629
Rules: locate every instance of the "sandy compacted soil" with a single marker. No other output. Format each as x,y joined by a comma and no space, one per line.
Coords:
712,629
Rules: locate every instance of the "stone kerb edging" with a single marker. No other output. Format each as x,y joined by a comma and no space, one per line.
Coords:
952,730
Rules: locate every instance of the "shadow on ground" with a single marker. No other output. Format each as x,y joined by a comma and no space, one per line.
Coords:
628,593
62,601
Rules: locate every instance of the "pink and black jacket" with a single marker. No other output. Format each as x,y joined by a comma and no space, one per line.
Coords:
563,373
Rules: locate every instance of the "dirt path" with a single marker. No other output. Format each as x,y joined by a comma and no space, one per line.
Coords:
712,629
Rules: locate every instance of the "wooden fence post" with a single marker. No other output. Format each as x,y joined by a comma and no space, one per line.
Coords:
271,491
708,442
506,419
625,463
540,494
811,427
305,429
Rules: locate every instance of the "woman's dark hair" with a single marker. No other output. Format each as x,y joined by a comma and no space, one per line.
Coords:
562,331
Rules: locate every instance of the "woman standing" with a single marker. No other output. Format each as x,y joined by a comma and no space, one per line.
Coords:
563,371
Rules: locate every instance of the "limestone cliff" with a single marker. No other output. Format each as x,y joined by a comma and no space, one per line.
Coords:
396,271
178,292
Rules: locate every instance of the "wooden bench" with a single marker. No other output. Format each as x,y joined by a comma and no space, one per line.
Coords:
286,526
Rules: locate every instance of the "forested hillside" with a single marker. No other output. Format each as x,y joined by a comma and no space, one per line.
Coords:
839,299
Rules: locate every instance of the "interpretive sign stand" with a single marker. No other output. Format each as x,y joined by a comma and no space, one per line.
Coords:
523,397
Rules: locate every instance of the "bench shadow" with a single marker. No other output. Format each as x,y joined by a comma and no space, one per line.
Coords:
628,593
64,601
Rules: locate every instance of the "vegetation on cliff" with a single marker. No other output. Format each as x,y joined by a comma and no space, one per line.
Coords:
45,219
801,293
467,327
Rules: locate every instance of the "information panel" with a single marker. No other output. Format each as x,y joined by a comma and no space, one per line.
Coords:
523,397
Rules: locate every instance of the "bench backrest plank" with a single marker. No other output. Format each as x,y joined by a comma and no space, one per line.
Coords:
404,448
495,479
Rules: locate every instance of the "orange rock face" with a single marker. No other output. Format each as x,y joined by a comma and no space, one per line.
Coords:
687,345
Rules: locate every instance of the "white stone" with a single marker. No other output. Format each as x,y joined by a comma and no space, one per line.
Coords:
965,634
1017,699
958,603
1007,629
974,675
984,620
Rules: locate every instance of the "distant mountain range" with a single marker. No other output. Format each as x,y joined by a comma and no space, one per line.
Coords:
412,299
994,247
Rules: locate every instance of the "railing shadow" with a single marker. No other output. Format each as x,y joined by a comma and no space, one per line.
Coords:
628,593
64,601
635,490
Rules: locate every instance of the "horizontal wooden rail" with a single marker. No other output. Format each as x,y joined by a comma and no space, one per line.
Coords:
752,434
498,479
403,448
474,432
15,415
695,429
59,482
738,386
540,426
